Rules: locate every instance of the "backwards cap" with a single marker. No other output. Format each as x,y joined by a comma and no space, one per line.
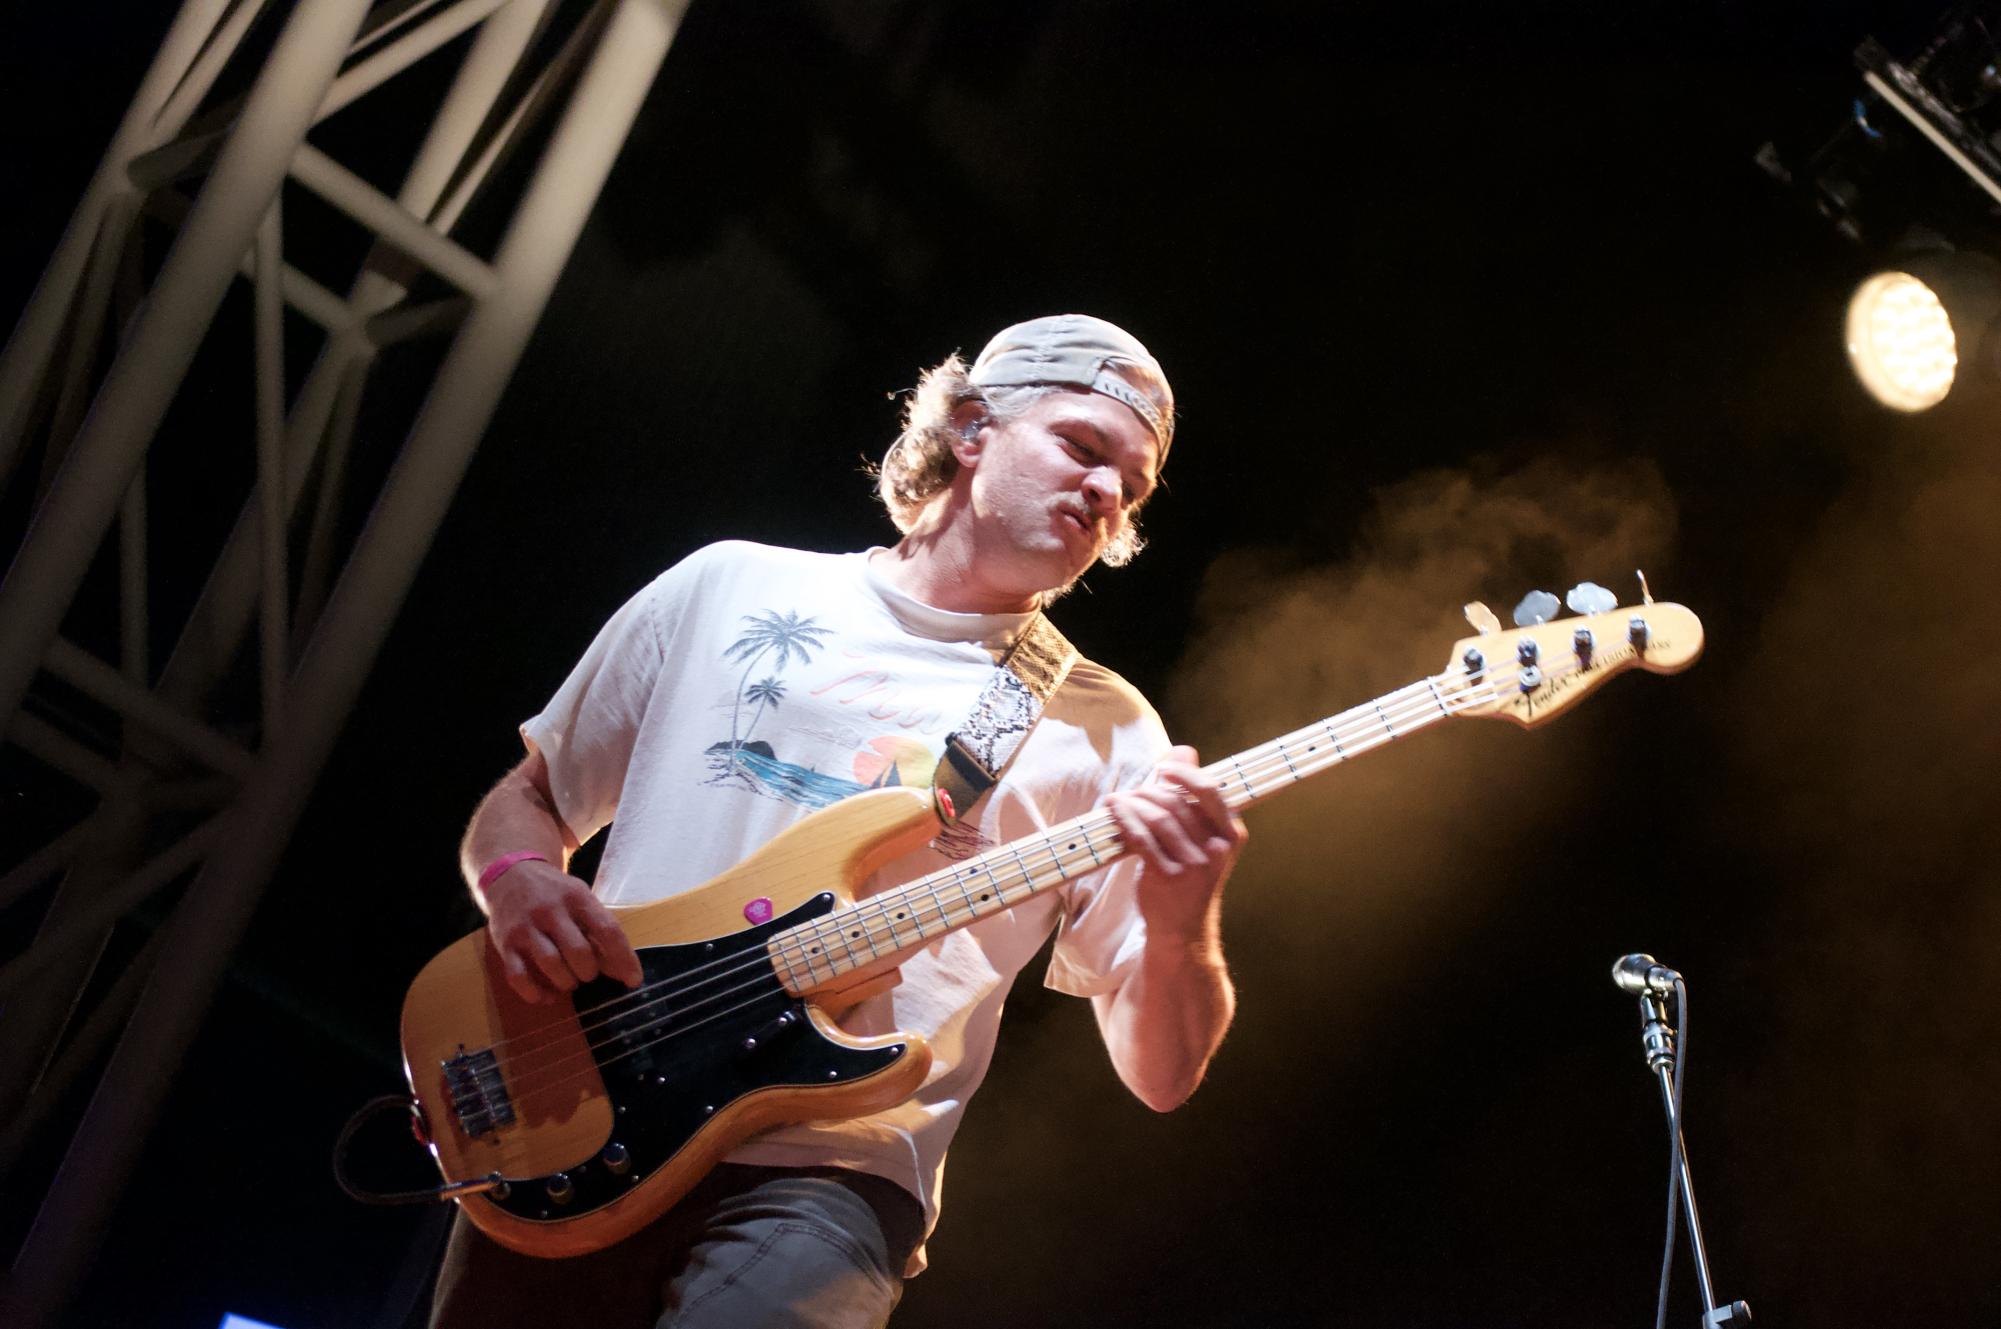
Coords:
1076,350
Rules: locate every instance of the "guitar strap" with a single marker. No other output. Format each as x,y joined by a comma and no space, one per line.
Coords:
1007,708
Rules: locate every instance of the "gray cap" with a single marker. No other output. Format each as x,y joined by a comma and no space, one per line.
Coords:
1076,350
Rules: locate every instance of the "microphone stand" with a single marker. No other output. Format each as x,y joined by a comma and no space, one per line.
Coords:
1657,1036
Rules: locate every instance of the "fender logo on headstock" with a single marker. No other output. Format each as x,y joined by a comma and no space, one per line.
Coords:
1554,687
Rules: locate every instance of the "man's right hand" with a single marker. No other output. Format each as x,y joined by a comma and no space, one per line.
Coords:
552,933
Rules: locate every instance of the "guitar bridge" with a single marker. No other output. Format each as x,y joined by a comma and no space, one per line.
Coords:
479,1096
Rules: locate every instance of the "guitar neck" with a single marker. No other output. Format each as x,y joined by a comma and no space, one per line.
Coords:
906,916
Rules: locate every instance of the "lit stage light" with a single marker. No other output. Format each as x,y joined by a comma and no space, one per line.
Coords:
1915,330
1900,342
1928,325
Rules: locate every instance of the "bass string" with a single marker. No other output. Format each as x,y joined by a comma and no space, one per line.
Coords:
799,952
1268,762
1261,771
579,1064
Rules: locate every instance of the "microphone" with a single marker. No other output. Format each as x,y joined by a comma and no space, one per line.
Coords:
1642,974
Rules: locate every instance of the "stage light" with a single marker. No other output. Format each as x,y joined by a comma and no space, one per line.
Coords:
1900,342
1927,323
1933,320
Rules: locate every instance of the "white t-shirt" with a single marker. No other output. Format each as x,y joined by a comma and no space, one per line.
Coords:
826,680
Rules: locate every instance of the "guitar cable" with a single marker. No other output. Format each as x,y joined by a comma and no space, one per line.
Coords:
373,1108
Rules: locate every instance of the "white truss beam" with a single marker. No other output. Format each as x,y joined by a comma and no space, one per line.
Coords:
182,804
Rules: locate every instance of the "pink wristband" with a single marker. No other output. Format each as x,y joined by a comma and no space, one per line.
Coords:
491,873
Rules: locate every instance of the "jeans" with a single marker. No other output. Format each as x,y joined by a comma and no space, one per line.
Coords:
750,1247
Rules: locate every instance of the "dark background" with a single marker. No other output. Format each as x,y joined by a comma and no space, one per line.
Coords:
1459,299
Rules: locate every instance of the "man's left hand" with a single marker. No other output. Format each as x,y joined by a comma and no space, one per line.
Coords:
1189,840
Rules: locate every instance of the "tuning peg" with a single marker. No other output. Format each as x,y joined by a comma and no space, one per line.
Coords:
1588,597
1646,596
1536,607
1482,618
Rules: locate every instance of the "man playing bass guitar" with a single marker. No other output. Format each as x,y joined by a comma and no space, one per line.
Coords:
749,686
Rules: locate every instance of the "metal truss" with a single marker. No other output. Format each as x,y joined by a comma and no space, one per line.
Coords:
190,782
1905,92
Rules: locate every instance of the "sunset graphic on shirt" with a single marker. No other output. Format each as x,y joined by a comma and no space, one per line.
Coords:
912,761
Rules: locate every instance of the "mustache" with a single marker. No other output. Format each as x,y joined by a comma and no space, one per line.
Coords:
1092,521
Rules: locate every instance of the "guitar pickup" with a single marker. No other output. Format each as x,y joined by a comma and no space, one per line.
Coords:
480,1102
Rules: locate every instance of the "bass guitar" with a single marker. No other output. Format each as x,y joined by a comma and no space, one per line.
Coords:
563,1128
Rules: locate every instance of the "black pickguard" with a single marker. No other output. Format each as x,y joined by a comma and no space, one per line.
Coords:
671,1063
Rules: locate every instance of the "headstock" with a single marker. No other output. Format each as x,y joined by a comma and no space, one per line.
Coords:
1529,673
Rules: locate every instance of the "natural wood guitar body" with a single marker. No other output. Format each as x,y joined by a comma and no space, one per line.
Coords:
574,1092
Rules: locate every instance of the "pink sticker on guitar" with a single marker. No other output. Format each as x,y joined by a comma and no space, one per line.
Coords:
758,910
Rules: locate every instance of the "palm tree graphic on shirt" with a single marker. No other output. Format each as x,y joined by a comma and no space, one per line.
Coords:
776,640
765,692
771,633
